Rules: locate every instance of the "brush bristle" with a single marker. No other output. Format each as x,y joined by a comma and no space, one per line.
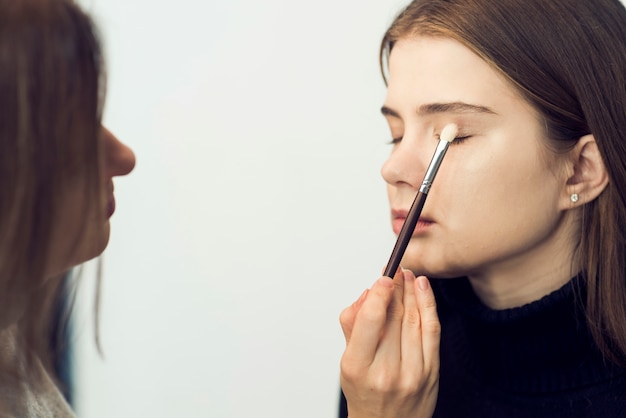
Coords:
449,132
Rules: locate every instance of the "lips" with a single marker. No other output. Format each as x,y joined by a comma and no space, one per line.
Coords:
398,217
110,207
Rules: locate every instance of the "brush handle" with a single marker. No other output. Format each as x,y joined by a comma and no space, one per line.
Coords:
405,234
416,209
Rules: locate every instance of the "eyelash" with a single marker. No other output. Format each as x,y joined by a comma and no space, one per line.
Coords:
459,139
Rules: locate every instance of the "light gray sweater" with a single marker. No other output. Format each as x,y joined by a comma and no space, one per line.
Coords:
35,397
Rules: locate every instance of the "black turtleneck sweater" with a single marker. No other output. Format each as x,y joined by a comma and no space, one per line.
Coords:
535,361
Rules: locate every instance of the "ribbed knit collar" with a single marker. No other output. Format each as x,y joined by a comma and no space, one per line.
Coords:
542,347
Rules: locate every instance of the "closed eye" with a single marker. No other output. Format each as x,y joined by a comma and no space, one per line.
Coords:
460,139
457,140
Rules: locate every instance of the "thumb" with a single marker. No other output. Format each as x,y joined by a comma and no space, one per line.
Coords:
348,315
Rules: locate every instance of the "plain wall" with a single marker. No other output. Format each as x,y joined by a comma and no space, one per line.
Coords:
256,211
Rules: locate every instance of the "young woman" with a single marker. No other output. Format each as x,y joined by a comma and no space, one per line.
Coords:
522,235
57,163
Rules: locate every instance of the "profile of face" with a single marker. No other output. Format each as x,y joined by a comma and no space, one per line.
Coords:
79,236
499,205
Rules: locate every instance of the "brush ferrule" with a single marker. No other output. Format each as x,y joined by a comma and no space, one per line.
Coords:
433,167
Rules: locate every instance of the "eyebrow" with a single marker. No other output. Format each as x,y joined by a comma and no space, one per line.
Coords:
434,108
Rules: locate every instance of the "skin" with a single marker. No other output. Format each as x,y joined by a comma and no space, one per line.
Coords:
498,209
390,368
77,243
499,212
78,235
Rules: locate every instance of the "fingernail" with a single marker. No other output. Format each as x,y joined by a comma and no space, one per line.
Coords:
362,297
423,283
385,281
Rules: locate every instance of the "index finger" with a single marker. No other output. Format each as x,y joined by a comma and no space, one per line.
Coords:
370,322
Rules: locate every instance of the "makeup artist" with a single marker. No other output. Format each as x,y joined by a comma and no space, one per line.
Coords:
522,238
57,164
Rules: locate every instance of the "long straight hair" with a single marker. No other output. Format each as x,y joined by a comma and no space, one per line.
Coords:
51,95
568,59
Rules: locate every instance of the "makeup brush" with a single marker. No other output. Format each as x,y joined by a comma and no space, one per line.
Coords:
448,134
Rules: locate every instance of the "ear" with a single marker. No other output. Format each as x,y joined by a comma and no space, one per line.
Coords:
587,176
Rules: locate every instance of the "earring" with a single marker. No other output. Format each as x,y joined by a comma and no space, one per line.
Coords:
574,197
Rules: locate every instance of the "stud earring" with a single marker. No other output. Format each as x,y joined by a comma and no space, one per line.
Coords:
574,197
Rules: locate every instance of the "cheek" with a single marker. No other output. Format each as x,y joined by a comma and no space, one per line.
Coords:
507,168
513,205
506,188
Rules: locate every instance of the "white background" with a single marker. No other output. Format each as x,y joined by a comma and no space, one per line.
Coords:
256,211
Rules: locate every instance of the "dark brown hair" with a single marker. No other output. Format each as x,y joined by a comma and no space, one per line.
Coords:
51,95
568,59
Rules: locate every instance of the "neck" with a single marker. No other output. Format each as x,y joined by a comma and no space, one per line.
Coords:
498,293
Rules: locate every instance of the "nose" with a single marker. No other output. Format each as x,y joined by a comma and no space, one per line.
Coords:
406,165
119,159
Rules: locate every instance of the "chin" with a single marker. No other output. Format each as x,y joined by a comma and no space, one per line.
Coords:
68,253
414,260
98,247
91,249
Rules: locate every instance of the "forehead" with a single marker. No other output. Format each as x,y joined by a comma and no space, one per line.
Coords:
437,69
